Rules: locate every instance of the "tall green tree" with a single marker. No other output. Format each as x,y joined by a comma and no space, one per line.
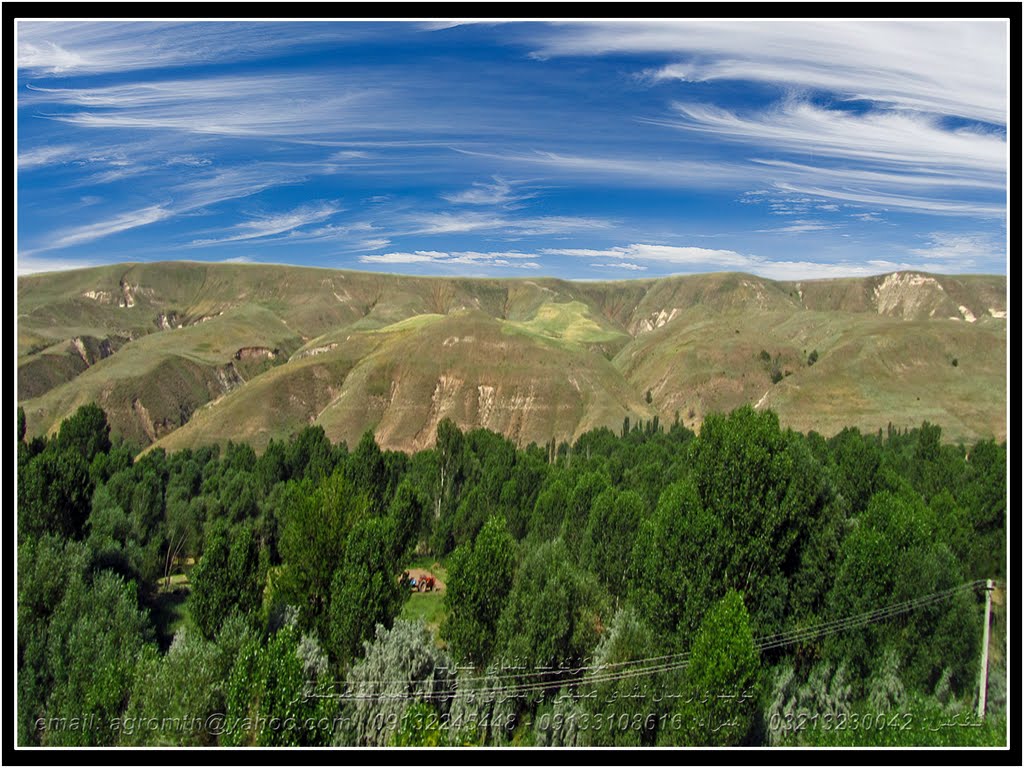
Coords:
317,523
679,556
720,685
766,488
228,578
280,687
95,637
610,536
555,611
86,432
366,589
54,493
479,580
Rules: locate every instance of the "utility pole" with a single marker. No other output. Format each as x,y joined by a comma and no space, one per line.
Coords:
983,678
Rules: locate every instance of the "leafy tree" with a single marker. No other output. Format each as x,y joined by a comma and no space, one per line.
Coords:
278,689
589,486
765,487
239,495
983,496
554,611
310,455
519,493
479,580
316,526
272,467
485,708
450,467
95,637
857,461
238,457
895,554
54,493
625,646
21,424
366,590
550,509
48,567
406,513
86,432
228,578
115,540
187,683
720,681
401,666
610,535
465,523
366,471
678,560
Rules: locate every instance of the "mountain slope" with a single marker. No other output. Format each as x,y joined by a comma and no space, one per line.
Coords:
182,354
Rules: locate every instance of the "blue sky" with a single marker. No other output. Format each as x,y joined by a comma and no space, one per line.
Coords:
589,150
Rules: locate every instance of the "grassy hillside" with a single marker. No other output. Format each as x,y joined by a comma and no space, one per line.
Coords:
183,354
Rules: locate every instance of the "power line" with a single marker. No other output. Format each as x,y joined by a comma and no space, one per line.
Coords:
668,663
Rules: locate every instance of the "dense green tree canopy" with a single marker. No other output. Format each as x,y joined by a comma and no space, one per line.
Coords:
819,575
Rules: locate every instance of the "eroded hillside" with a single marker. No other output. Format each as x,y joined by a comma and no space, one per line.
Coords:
183,354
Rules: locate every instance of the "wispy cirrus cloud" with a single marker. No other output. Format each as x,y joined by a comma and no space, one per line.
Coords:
38,157
96,230
52,48
690,259
890,139
266,106
498,192
627,265
962,250
949,67
646,171
666,254
444,223
502,259
895,199
275,224
28,264
232,183
904,161
799,227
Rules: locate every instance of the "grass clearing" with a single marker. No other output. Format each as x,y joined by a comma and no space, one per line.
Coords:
569,321
428,606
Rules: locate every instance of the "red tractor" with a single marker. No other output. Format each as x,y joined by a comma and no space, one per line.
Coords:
425,583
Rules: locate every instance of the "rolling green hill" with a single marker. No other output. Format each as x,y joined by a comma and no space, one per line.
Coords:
183,354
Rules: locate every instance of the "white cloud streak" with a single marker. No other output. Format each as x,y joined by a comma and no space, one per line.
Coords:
276,224
31,265
46,155
267,106
950,67
962,249
689,259
454,223
500,259
896,200
50,48
120,223
622,265
893,139
638,170
799,227
500,192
